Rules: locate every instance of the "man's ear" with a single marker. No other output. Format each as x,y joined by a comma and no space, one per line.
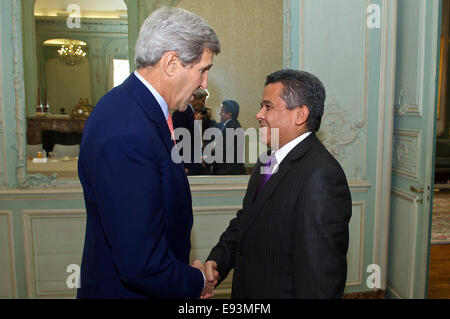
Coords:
302,114
170,63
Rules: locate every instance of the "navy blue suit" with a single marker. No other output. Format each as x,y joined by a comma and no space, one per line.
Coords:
138,202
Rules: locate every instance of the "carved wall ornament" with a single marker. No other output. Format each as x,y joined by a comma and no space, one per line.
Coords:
406,146
404,105
403,102
340,131
23,180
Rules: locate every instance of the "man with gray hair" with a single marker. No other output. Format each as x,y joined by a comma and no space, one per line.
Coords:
193,145
138,201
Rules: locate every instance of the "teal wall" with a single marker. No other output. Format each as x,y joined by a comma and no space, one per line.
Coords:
332,40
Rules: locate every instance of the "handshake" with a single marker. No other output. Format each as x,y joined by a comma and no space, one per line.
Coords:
209,269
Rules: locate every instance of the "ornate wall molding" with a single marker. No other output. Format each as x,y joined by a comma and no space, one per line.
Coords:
406,105
344,138
23,180
36,225
3,150
340,132
406,151
407,226
88,26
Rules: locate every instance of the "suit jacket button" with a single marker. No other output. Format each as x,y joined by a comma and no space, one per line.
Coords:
239,252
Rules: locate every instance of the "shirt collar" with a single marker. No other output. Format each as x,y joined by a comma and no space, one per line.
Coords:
162,103
284,151
225,124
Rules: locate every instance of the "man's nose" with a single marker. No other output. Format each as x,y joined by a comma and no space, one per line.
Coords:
260,115
204,83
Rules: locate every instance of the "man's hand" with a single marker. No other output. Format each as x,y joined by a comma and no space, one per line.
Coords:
212,275
208,290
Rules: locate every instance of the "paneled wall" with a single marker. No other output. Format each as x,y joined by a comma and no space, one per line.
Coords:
356,62
43,234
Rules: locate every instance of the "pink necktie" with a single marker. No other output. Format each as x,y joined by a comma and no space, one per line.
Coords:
170,125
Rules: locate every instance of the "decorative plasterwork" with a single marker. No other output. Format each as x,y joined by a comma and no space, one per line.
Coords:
23,179
405,104
3,167
406,150
343,132
340,133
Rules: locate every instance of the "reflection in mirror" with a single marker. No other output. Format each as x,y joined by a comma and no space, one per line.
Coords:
64,64
76,61
251,36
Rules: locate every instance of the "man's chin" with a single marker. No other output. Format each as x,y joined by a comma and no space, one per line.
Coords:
264,136
182,106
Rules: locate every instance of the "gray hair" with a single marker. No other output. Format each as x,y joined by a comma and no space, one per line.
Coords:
174,29
200,93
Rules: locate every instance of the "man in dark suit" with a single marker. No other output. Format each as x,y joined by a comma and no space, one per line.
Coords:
138,201
290,239
187,120
232,159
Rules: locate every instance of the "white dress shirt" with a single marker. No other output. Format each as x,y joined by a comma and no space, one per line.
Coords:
162,103
284,151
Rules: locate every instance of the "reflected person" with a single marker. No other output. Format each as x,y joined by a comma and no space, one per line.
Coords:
232,160
189,120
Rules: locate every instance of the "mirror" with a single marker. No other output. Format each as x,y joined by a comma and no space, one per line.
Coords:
252,48
64,63
81,52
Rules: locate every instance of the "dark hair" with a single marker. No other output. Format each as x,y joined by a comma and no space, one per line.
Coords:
301,88
232,107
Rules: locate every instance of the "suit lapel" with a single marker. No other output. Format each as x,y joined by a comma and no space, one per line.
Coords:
253,185
150,105
272,184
